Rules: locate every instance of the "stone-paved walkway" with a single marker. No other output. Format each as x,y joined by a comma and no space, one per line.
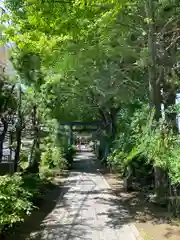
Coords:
87,210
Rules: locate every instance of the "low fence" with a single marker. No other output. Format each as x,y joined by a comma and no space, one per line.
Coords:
8,151
7,161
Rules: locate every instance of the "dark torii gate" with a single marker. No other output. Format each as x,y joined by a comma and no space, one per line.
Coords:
86,127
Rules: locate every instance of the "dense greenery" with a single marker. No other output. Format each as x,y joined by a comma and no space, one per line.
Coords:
108,60
19,196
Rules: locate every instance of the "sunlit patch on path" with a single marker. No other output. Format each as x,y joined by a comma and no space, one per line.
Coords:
86,209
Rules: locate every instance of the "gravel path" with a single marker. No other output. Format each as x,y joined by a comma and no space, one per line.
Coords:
85,209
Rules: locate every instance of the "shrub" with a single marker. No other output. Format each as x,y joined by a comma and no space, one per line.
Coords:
14,200
145,144
134,148
53,158
23,160
18,197
58,159
69,155
33,184
116,161
46,158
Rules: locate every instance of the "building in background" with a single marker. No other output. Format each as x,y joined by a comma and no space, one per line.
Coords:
5,63
3,49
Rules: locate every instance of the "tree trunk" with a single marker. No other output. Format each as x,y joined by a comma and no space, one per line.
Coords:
2,136
35,151
154,83
18,134
102,146
18,148
37,155
113,117
109,126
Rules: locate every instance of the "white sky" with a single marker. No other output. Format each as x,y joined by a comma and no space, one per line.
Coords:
1,3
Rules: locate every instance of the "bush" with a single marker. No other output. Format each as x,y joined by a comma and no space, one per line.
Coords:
53,158
116,161
18,197
14,200
69,155
143,143
33,184
23,160
132,146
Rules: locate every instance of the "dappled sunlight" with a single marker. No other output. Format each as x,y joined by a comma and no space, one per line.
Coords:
85,208
84,81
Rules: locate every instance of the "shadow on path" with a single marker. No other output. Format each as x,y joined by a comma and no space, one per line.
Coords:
154,221
33,222
84,208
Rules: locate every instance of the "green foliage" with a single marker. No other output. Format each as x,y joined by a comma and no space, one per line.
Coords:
173,163
53,158
52,150
23,159
161,147
131,133
69,155
14,200
33,184
86,60
116,161
18,197
76,54
142,142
